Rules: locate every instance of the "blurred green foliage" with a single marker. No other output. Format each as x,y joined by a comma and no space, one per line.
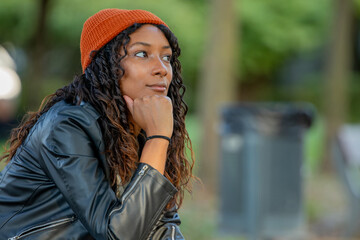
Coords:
64,23
271,32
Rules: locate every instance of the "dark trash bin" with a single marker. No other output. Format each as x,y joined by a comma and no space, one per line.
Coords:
261,192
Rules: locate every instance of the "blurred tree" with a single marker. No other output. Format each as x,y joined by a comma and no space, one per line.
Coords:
337,73
34,82
218,84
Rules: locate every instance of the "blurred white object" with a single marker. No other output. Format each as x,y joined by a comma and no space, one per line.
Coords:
5,59
10,85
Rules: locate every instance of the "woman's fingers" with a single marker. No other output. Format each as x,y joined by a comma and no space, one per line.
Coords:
152,113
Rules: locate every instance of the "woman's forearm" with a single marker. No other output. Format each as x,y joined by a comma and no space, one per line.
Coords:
154,153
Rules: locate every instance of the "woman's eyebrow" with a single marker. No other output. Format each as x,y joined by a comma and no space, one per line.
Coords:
140,43
146,45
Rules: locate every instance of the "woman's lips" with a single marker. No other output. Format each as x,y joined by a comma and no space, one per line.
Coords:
157,87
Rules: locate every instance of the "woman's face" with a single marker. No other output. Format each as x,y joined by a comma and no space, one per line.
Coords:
147,64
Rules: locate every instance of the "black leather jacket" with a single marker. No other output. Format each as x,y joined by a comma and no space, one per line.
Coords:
57,186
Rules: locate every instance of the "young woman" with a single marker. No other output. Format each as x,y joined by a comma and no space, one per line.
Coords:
104,157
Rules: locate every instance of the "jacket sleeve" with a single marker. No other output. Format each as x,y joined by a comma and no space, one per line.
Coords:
168,226
69,156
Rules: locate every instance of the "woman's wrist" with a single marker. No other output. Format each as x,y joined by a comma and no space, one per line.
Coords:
157,132
158,137
154,153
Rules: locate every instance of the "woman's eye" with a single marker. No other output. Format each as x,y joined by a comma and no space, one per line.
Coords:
167,58
140,54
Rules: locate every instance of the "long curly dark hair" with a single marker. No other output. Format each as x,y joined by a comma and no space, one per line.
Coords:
99,86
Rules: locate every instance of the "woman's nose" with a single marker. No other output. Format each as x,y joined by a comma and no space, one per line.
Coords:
159,68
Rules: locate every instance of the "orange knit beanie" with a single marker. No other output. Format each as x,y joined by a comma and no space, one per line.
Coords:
100,28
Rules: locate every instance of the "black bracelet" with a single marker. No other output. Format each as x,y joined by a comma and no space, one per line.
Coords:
158,136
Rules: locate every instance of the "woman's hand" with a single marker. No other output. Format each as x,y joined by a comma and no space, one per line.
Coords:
153,113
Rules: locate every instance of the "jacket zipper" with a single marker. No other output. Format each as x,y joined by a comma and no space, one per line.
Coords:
172,232
141,173
155,226
42,227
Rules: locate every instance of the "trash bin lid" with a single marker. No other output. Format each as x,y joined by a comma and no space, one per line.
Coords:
266,117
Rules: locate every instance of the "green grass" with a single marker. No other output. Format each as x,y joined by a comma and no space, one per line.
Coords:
314,146
2,148
192,124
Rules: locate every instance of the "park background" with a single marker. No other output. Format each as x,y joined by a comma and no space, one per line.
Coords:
232,51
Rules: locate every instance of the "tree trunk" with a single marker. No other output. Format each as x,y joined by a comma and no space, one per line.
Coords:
217,85
32,85
337,75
